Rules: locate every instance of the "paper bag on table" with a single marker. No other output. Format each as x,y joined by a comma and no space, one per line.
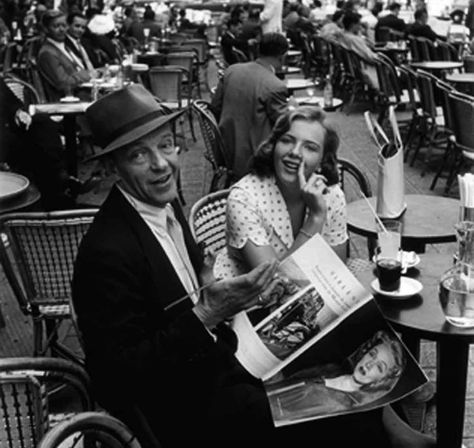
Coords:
390,177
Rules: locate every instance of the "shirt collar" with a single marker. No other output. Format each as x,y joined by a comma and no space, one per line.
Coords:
60,45
151,214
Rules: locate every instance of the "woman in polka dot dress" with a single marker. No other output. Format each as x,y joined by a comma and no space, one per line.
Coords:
291,193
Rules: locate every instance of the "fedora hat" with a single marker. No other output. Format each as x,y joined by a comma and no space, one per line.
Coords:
124,116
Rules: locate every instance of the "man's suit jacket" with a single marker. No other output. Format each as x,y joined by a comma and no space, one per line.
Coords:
389,21
144,346
59,72
248,101
9,104
71,44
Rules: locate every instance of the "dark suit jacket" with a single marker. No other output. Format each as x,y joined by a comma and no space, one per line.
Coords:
9,104
418,30
143,346
247,101
389,21
59,72
229,41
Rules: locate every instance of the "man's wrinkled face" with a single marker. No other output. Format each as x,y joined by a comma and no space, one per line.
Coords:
148,167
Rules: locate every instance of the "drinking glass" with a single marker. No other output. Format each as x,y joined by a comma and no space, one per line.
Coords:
389,238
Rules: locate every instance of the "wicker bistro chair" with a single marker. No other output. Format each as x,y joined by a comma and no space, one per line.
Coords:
462,108
37,256
214,150
24,91
207,220
26,385
188,61
167,84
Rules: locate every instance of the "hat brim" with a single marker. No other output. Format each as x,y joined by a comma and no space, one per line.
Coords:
136,133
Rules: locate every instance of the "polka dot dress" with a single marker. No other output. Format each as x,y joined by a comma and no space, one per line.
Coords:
256,211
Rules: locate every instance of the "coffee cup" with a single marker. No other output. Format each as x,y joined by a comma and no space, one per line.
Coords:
389,271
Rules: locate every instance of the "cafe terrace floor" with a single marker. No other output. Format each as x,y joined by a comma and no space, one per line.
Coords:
16,337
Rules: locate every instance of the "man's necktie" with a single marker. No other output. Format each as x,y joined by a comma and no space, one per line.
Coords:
176,234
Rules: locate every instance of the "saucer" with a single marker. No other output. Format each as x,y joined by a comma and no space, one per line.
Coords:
408,287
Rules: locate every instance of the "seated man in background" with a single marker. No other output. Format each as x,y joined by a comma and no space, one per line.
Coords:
420,27
249,99
230,40
333,30
61,69
32,146
390,20
77,24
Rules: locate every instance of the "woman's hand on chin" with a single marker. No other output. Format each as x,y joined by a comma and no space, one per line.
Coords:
312,193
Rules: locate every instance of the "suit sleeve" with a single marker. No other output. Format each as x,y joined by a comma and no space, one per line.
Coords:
276,103
54,72
108,293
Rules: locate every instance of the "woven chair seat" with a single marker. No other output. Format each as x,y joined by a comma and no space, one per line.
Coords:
55,310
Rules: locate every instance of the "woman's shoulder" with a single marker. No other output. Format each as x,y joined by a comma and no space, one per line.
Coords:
251,185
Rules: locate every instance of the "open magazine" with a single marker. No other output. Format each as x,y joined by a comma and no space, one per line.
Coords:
323,348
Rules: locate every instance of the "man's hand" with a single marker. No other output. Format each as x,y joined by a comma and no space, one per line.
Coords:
226,298
22,118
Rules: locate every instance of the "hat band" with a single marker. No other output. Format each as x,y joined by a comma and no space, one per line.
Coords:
132,125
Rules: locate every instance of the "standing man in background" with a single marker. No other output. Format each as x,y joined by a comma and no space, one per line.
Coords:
271,16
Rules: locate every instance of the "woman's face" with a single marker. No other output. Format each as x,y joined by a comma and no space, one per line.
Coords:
302,143
374,365
57,29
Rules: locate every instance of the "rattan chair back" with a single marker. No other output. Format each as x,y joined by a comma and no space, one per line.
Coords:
462,108
214,150
24,91
427,96
207,221
468,63
25,385
23,411
166,83
38,255
198,45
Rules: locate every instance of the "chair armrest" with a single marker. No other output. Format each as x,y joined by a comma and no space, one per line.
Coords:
52,370
96,426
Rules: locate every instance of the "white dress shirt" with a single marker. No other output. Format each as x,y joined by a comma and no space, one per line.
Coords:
156,218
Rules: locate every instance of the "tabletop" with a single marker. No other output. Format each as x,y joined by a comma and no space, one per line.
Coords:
293,53
20,202
288,70
392,48
421,313
460,77
296,84
61,108
319,101
437,65
427,219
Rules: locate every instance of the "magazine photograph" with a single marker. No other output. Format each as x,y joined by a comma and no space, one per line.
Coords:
353,368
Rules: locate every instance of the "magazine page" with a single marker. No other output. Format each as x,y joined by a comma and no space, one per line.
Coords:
360,365
317,291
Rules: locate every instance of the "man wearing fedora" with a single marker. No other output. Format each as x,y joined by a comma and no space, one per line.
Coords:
158,351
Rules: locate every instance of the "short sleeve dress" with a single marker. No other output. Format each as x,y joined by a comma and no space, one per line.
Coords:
256,211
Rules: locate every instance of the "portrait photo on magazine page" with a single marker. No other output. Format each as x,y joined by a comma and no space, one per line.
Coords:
360,365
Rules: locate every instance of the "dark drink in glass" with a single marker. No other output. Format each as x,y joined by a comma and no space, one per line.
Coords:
389,272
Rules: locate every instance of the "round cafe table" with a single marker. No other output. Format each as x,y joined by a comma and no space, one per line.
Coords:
319,101
299,84
421,317
464,81
428,219
437,65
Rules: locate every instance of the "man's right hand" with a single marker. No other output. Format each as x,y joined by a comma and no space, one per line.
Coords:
226,298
